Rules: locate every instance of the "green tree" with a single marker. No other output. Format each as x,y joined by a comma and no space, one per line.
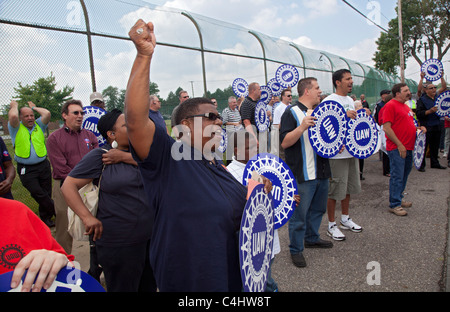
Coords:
426,25
112,98
43,93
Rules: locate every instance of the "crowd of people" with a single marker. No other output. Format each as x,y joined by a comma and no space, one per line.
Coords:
171,223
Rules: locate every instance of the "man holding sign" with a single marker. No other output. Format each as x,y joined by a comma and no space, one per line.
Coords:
344,167
311,172
398,124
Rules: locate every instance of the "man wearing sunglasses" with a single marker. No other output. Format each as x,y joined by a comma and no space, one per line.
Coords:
426,113
66,147
30,153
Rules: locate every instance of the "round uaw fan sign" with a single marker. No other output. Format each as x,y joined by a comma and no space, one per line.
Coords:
433,69
362,135
240,87
261,118
284,186
287,75
256,240
68,280
443,104
328,135
266,94
275,86
223,141
419,149
90,120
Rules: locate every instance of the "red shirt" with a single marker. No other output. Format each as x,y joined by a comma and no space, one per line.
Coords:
401,118
66,148
21,232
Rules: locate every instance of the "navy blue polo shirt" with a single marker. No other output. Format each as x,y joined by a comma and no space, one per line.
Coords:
431,119
199,207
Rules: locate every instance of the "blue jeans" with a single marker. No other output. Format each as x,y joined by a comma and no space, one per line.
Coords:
305,221
400,170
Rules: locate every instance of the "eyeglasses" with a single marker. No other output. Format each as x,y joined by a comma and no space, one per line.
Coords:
76,113
186,97
289,95
210,116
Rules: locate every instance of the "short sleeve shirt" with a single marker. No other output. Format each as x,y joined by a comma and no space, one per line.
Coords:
123,208
198,207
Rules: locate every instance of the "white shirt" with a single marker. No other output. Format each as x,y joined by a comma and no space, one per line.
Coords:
278,113
348,104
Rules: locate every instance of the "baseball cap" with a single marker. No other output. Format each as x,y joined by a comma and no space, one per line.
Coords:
385,92
96,96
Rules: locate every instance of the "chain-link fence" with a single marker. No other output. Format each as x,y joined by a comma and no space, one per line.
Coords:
84,45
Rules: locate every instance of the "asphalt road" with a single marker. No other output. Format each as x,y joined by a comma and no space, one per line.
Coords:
391,254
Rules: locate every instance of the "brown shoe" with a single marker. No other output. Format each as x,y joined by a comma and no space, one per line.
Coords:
406,204
399,211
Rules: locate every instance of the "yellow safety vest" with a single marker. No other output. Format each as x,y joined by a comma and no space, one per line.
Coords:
22,145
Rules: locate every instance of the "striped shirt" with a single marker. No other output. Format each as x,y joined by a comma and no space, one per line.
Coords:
229,115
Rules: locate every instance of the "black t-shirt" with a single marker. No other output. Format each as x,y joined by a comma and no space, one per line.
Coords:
4,157
123,208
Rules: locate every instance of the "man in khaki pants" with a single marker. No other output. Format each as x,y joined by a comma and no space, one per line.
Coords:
66,147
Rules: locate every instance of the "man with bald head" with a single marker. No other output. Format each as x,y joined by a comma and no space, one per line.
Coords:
33,167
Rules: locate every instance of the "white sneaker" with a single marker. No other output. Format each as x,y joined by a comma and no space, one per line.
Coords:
350,225
335,233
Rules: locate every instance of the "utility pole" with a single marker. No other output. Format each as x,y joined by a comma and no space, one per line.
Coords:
192,87
400,32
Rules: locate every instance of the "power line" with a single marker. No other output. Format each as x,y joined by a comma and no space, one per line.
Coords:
362,14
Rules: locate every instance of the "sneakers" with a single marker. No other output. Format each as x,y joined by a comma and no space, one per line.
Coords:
398,211
350,225
335,233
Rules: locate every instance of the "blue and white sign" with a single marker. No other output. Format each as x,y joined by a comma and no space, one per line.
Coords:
68,280
419,149
266,94
91,117
284,185
287,75
223,141
275,86
433,69
261,118
362,135
240,87
256,240
443,104
328,135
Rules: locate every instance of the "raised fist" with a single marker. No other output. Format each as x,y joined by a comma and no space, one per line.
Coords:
143,37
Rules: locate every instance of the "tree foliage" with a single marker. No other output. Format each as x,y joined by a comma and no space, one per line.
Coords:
44,94
426,26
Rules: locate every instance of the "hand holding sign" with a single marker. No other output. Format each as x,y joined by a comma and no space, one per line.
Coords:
433,69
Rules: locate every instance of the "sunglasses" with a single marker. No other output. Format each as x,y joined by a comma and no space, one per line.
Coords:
210,116
76,113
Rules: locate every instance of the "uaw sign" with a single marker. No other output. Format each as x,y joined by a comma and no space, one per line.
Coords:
287,76
69,279
256,240
419,149
92,114
240,87
433,69
328,134
275,86
443,104
266,94
362,135
261,118
284,185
